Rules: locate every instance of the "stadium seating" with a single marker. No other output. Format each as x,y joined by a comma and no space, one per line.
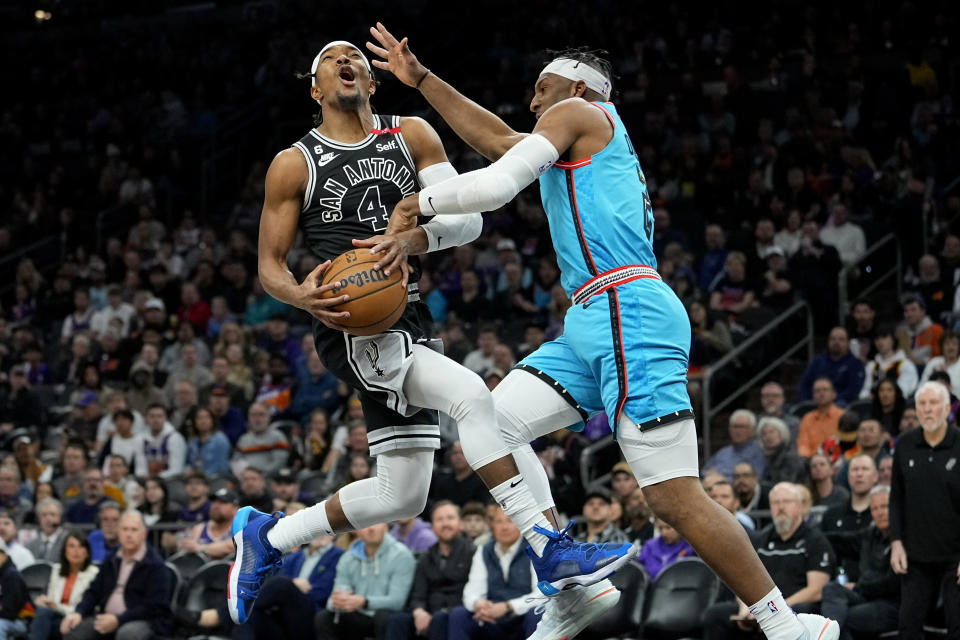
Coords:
686,586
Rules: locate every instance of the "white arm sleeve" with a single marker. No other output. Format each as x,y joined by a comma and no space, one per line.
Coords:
494,186
444,233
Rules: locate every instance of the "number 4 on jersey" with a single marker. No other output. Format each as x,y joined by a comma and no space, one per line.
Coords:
372,210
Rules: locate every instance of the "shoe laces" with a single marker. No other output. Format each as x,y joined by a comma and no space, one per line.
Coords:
561,537
564,539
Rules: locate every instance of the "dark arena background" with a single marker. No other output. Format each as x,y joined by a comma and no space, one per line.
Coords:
803,164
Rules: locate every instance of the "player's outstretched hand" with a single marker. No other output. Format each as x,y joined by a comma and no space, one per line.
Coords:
397,57
404,215
312,301
394,250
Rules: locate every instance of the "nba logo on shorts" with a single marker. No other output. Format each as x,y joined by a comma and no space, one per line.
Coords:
773,607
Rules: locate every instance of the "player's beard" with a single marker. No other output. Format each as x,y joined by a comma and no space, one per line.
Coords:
350,102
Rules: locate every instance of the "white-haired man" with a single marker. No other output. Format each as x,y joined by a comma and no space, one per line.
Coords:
925,513
743,446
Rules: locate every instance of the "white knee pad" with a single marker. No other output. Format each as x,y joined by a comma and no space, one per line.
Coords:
477,425
398,491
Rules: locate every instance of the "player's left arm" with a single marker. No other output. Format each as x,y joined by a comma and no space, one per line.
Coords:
432,167
563,126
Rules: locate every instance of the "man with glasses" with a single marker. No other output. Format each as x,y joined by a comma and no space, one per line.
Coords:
798,558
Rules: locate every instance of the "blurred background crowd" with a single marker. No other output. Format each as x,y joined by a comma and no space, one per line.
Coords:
803,166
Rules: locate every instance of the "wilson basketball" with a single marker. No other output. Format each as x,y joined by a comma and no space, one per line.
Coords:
376,300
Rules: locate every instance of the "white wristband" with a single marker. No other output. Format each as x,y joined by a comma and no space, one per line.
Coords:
446,232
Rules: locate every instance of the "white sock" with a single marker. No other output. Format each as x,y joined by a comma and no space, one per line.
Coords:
300,528
518,503
776,619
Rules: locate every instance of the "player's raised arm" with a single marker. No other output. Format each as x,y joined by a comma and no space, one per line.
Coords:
490,136
560,127
286,180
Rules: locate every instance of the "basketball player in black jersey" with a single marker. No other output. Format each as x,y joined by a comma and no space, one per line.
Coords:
339,183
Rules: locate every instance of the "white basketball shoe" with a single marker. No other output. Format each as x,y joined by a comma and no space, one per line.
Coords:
573,610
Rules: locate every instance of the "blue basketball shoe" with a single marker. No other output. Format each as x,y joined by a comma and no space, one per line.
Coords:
567,563
256,560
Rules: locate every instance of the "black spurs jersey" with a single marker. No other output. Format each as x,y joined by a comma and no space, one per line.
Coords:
353,188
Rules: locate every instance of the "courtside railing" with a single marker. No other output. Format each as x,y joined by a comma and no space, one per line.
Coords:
774,337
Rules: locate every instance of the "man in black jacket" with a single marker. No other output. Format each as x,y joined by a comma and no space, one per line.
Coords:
132,591
13,596
925,514
438,582
869,606
844,524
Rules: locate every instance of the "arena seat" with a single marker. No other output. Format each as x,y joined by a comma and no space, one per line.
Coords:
207,589
626,618
177,580
37,576
685,586
187,563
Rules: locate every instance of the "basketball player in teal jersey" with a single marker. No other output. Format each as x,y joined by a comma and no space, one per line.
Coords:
339,182
626,337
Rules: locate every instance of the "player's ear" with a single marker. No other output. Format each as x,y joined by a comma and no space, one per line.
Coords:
373,86
579,88
316,94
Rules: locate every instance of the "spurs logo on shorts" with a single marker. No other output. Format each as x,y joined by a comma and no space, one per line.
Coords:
372,352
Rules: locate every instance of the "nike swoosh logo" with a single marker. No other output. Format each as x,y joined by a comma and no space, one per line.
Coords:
430,202
513,484
324,161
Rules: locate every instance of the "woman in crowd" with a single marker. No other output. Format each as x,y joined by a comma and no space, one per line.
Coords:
888,406
824,490
318,454
156,503
69,578
783,463
208,449
156,509
358,470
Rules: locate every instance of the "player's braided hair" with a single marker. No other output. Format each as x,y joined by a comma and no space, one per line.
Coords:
591,57
318,116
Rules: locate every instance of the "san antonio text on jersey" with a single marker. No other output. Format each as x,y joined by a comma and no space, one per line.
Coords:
353,188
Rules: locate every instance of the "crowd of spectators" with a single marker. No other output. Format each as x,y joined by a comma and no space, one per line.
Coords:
143,367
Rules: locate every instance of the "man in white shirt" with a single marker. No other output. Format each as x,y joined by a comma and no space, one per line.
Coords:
126,444
500,591
116,308
164,448
19,554
106,428
481,358
844,236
